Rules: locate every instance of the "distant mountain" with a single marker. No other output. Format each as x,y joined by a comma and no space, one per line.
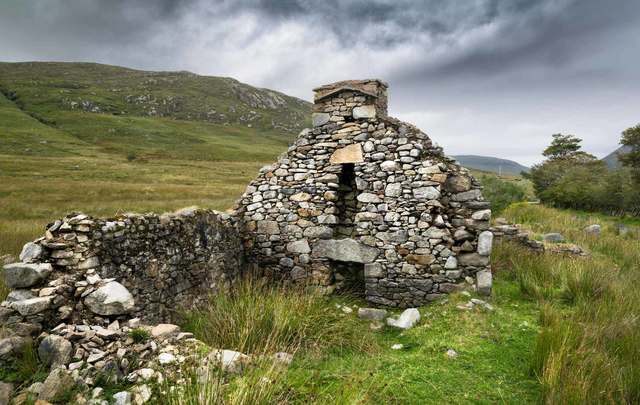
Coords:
491,164
612,159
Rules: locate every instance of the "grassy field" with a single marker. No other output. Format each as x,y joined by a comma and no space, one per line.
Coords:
563,330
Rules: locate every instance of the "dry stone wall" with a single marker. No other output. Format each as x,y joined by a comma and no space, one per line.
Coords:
364,199
95,271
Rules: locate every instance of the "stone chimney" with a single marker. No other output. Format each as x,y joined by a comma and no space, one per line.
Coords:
349,100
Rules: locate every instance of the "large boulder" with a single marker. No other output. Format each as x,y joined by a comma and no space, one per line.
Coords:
345,250
55,351
24,275
110,299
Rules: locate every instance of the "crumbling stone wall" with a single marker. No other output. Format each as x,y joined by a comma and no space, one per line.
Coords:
96,270
366,191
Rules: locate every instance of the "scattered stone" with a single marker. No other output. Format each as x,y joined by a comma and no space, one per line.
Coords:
407,319
376,325
553,238
6,390
55,351
622,229
283,358
346,309
122,398
452,353
166,358
165,330
594,229
372,314
397,346
141,394
110,299
58,382
230,361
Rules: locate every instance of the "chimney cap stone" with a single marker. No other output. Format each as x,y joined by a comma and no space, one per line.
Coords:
370,87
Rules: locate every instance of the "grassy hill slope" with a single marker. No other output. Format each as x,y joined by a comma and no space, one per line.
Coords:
491,164
68,108
105,139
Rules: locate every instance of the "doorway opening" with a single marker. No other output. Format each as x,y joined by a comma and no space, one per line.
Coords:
349,278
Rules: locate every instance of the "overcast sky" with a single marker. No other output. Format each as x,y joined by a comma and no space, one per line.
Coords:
486,77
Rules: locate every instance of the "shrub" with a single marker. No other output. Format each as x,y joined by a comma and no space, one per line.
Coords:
501,193
131,156
139,335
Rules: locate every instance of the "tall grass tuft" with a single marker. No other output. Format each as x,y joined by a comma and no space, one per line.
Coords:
258,318
588,349
261,319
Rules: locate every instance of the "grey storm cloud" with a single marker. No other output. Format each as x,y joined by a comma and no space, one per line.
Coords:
493,77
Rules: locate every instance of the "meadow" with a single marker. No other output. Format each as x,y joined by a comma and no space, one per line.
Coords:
561,330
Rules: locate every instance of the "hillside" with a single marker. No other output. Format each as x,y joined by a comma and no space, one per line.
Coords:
612,159
491,164
54,109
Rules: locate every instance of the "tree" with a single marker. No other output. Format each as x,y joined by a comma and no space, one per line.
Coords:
562,147
563,155
631,139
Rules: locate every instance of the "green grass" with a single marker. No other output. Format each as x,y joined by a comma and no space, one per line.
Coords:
588,350
339,359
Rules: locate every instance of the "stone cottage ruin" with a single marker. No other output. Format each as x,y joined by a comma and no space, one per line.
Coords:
360,202
366,202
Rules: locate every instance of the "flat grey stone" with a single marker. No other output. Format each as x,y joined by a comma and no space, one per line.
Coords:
553,237
345,250
426,193
24,275
372,314
364,112
473,259
32,306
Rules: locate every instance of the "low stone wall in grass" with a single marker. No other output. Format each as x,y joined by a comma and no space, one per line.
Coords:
94,270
